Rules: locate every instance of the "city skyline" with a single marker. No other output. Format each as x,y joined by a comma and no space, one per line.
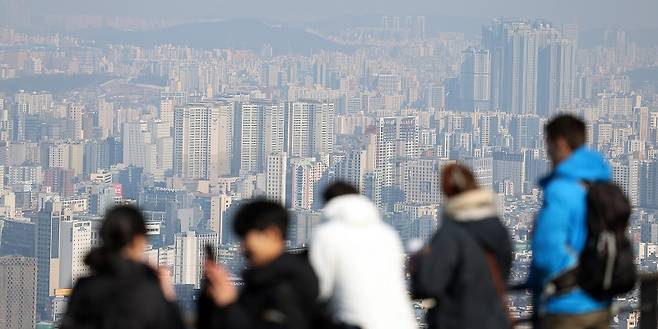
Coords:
190,132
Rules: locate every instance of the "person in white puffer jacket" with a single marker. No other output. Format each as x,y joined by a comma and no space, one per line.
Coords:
359,261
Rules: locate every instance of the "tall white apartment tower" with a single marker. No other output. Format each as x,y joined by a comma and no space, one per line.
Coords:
202,140
259,133
276,177
74,121
248,137
310,128
77,237
190,254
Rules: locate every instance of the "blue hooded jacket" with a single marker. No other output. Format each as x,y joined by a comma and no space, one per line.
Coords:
560,230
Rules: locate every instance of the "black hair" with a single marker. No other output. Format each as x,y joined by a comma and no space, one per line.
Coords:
260,215
571,128
337,189
121,226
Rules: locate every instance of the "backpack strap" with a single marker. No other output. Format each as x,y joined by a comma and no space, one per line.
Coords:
494,269
562,284
499,282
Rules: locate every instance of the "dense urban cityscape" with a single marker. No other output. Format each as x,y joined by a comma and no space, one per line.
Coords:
189,131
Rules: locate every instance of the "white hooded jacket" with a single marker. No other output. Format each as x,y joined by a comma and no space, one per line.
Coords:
359,263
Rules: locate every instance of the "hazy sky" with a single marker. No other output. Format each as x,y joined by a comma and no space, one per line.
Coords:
588,13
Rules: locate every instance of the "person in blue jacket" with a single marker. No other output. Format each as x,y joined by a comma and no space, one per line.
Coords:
560,228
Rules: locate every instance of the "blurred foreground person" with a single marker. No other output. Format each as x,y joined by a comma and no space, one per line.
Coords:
280,290
567,254
464,290
122,291
473,209
359,261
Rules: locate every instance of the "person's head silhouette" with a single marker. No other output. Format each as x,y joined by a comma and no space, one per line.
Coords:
122,234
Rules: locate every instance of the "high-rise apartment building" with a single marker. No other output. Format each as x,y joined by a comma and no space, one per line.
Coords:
626,174
648,175
18,281
617,106
105,116
389,83
102,197
17,237
352,168
202,140
532,67
310,128
421,180
259,132
35,102
273,130
138,149
557,74
396,137
248,123
482,169
190,254
60,180
77,238
47,222
475,79
508,173
519,93
219,206
305,176
74,121
276,177
436,97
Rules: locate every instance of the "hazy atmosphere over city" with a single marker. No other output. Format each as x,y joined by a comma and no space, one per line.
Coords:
588,13
591,13
345,164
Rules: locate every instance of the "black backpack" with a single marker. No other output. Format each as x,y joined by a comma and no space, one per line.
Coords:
606,266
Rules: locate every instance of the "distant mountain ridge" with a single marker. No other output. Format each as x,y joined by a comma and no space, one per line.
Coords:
241,34
470,26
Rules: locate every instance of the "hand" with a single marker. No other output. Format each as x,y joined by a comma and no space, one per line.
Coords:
166,285
220,288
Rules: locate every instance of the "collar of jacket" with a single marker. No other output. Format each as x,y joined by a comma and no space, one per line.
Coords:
353,209
123,267
583,165
280,267
471,205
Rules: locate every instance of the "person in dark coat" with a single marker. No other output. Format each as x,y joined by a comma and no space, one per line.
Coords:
122,291
453,272
280,290
473,209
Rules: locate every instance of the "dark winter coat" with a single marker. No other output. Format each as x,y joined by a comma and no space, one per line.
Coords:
475,212
124,295
452,271
282,294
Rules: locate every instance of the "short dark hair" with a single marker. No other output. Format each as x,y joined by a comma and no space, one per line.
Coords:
260,215
337,189
569,127
122,224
